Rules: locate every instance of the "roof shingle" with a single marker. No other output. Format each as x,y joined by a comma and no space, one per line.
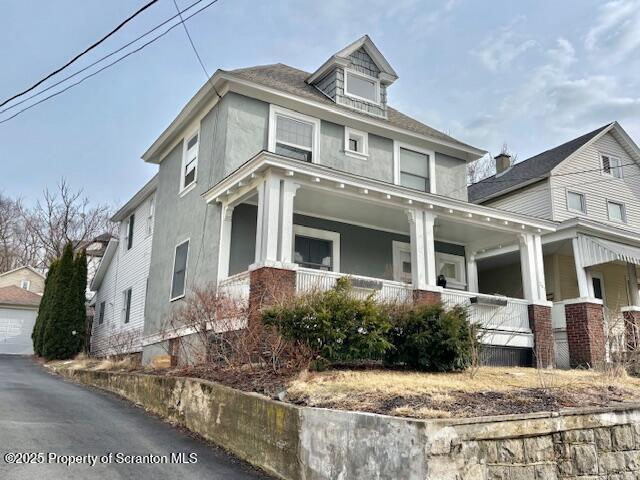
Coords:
13,295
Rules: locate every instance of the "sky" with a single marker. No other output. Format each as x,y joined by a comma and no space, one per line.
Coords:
531,74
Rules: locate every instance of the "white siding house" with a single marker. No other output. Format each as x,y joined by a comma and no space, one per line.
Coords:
121,279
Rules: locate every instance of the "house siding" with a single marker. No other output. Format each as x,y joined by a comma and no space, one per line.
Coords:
596,187
14,279
127,269
451,176
534,200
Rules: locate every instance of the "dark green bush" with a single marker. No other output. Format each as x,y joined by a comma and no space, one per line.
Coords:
334,324
432,338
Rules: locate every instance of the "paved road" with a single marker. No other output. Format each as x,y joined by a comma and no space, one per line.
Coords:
40,412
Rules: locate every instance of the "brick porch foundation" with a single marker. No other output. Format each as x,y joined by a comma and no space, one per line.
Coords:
267,286
585,334
542,328
426,297
632,329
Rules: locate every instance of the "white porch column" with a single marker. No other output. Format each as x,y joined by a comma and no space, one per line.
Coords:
528,267
539,264
418,271
268,224
288,194
429,247
472,273
224,250
632,278
581,273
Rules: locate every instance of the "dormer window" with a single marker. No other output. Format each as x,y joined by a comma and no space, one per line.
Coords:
362,87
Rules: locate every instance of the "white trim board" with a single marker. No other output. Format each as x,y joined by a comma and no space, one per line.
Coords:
333,237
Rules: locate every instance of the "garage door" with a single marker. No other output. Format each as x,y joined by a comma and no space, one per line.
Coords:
16,326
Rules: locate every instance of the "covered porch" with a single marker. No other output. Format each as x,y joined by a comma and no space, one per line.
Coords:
399,244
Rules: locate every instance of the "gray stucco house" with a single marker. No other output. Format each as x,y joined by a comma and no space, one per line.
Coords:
314,176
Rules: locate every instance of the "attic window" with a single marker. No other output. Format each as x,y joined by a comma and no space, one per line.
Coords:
611,166
362,87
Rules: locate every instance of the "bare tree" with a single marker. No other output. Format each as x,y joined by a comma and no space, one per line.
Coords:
17,244
485,167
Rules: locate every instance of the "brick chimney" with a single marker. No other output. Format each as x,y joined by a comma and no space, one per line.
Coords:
503,162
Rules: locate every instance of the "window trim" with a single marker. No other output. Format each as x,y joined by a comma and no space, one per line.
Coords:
375,80
274,111
460,262
584,198
333,237
128,236
28,282
397,146
623,209
185,141
611,157
126,305
101,308
348,131
151,212
173,270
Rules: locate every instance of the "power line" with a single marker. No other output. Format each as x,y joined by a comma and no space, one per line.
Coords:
85,51
118,60
40,92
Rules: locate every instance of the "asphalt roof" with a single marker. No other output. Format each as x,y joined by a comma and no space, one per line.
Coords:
13,295
292,80
529,170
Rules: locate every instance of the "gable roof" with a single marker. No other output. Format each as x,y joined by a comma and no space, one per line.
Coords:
293,81
17,296
28,267
530,170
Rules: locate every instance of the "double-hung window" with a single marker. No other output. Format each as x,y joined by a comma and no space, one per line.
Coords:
179,277
101,307
414,169
189,172
576,202
616,211
126,305
128,237
362,87
150,213
611,166
293,135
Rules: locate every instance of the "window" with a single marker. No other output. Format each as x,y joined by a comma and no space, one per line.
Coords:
414,169
128,238
126,305
101,308
576,202
453,269
150,214
179,278
611,166
356,143
401,256
189,162
317,249
25,284
293,135
616,211
361,86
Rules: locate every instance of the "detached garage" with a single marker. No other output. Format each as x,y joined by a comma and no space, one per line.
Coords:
18,311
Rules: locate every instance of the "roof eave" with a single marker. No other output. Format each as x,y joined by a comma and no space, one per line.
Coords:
136,200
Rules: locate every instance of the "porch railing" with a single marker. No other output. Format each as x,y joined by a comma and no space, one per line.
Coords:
514,316
236,287
309,280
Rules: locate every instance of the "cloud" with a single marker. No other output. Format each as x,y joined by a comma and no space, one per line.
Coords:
616,32
498,51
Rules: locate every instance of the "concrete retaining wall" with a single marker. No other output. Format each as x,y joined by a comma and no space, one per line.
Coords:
301,443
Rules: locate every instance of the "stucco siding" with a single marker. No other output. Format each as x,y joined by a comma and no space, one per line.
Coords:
534,200
451,176
582,173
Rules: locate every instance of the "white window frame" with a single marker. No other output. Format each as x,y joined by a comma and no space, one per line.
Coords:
185,141
22,284
151,214
623,208
611,157
584,198
275,111
460,263
397,248
376,81
333,237
396,163
173,270
364,136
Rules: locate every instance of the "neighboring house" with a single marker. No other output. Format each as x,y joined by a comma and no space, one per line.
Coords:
591,187
120,282
26,277
18,312
310,176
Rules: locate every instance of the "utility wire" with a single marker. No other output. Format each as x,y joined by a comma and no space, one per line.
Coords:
40,92
118,60
85,51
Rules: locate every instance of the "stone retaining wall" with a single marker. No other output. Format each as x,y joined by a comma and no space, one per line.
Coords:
300,443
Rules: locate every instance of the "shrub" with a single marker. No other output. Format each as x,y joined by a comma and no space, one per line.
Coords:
431,338
334,324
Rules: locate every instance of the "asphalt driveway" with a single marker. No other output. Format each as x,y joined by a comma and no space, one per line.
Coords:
42,413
